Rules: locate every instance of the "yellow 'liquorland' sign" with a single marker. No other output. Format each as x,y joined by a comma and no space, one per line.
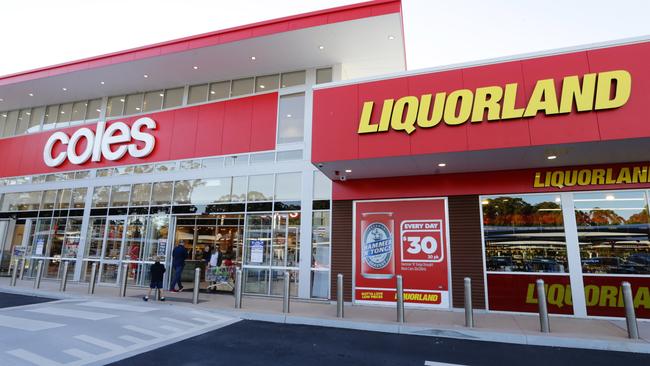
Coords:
596,91
592,176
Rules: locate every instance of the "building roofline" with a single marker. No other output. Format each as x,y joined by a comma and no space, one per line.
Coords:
490,61
228,35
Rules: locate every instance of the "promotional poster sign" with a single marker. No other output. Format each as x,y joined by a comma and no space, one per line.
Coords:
162,247
401,237
257,251
40,243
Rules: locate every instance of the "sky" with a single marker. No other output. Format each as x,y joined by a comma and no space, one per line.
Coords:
37,33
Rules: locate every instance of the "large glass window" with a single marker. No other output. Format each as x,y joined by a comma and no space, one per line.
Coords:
322,186
287,187
141,194
293,79
291,118
260,187
220,90
162,193
153,100
266,83
173,97
120,195
115,106
10,124
133,104
613,230
524,233
100,196
198,94
242,87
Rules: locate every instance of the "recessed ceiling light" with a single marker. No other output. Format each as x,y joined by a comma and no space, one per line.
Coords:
4,115
609,197
145,76
101,82
348,170
213,92
321,47
137,108
253,58
2,100
31,94
162,94
64,89
195,67
442,164
28,113
262,86
551,157
62,112
289,115
391,38
122,100
98,110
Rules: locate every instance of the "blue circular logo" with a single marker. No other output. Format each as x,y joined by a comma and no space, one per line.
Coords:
377,245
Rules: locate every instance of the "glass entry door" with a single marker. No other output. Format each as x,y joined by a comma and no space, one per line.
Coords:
112,247
5,247
272,247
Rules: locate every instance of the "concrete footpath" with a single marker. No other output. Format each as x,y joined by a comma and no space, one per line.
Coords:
601,334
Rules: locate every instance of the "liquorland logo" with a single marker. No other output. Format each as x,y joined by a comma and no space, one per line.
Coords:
596,91
110,142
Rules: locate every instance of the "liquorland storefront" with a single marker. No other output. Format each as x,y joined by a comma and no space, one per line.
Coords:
203,141
504,172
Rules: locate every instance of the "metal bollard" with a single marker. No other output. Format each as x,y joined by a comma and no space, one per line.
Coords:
238,288
469,309
22,269
287,290
543,310
630,316
14,274
125,268
39,274
93,277
339,296
197,282
64,278
400,299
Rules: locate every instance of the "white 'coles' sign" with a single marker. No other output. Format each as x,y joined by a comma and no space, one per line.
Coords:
99,143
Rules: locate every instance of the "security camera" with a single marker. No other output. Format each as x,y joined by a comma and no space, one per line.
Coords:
343,178
320,165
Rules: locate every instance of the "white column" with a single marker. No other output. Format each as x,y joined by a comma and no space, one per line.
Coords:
304,277
573,256
84,230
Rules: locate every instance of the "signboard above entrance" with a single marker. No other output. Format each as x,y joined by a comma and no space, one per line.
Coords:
594,91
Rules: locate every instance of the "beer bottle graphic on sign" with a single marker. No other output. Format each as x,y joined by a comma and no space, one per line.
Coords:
377,249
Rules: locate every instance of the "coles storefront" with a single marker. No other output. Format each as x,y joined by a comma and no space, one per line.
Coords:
506,172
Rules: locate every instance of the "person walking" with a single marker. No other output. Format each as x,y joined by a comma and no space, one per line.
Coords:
178,262
156,271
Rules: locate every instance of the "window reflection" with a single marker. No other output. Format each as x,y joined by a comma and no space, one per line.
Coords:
524,234
613,232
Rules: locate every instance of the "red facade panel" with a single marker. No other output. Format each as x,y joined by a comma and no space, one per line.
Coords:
554,129
234,126
627,121
333,139
630,121
490,135
390,142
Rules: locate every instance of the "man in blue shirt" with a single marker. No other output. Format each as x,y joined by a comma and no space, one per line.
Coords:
178,262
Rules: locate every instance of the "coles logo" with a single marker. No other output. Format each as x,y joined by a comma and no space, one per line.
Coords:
377,245
101,142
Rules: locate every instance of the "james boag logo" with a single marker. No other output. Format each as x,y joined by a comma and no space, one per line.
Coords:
377,245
